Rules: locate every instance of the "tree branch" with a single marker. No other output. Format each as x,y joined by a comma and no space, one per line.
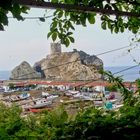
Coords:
129,2
71,7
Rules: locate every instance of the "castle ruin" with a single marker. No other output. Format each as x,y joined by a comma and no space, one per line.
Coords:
55,48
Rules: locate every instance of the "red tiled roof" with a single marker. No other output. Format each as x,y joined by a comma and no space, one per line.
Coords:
76,84
19,84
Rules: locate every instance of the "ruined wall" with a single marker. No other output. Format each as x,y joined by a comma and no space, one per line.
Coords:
55,48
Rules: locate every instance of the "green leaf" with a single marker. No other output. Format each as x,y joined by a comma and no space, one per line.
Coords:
112,28
16,11
1,27
60,14
42,19
122,29
103,25
91,18
54,24
69,33
24,9
71,26
71,39
78,22
116,29
3,19
107,6
54,36
115,7
134,30
67,42
60,25
54,1
49,34
109,25
53,29
82,19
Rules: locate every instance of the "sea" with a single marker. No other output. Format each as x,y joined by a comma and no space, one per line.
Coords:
5,75
128,74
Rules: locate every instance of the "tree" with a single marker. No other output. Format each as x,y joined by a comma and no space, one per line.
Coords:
116,15
14,8
11,86
138,85
112,88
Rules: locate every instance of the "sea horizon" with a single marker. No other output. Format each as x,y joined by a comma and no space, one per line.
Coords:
127,74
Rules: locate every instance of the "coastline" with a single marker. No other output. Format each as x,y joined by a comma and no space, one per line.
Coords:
128,76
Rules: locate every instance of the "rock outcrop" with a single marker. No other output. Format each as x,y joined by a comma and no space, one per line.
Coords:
67,66
62,66
24,71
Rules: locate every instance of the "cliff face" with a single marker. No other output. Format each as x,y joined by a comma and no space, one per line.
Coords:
76,65
61,66
24,71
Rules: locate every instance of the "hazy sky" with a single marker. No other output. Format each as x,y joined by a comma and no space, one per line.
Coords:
27,40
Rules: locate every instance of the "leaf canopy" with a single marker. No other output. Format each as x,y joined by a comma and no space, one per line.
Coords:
64,21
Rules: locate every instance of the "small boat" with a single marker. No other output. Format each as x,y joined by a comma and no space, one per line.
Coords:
52,97
87,98
68,94
101,102
78,95
117,106
97,99
22,96
49,96
73,91
45,94
14,98
41,103
98,103
33,110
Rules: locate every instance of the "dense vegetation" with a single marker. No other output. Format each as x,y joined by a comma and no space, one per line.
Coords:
88,124
112,88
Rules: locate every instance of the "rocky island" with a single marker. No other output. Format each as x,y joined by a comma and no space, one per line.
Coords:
61,66
24,71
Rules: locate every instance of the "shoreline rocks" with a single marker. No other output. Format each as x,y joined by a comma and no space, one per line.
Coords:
24,71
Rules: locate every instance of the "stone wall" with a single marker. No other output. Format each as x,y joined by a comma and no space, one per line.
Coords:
55,48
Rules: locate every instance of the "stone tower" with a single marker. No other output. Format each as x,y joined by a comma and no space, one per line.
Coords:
55,48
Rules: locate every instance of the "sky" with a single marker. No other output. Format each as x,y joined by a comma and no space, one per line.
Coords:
27,41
